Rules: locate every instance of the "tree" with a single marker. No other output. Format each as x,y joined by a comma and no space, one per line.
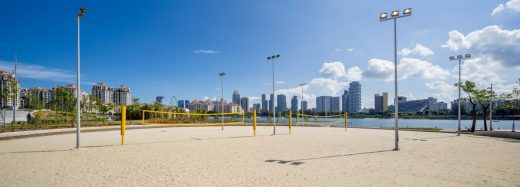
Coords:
470,88
484,97
513,102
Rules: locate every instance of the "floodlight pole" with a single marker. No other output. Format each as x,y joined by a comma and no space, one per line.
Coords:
491,110
274,96
459,58
384,17
222,97
301,102
81,13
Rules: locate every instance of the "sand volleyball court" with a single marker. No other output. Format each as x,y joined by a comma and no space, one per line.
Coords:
310,156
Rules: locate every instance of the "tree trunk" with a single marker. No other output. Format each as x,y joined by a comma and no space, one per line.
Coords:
485,112
474,116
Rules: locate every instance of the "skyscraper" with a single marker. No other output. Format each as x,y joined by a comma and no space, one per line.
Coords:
381,102
183,103
334,105
281,100
265,106
323,104
294,104
123,96
344,101
271,104
304,107
236,97
159,99
354,97
244,103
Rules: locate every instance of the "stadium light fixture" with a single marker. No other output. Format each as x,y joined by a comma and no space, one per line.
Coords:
272,59
222,74
394,17
81,13
459,58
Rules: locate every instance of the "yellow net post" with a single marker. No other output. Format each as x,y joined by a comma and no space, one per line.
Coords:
142,120
123,124
254,122
290,121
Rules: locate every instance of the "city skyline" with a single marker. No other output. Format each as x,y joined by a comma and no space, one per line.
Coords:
158,54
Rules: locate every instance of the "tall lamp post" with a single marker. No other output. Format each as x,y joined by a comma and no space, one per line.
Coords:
459,58
15,100
394,16
272,58
81,13
222,96
301,102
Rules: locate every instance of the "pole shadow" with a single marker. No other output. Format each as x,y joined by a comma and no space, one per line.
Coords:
301,161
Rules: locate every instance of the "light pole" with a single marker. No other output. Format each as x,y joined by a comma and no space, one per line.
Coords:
15,100
301,102
81,13
272,58
222,96
459,58
394,16
491,108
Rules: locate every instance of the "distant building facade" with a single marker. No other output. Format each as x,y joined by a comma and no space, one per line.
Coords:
381,103
281,101
236,97
354,97
244,103
294,104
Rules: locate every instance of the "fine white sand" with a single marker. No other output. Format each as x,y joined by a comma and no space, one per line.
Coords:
310,156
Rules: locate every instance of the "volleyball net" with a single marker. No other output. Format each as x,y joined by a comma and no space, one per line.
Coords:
165,118
340,120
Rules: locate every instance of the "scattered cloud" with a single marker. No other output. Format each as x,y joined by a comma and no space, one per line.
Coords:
407,68
418,50
350,49
444,91
483,70
38,72
354,74
492,41
512,5
347,50
202,51
280,82
333,70
209,98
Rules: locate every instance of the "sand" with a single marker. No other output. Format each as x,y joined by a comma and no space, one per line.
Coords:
310,156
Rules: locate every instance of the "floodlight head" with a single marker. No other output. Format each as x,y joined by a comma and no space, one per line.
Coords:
395,13
268,58
222,74
407,11
383,16
277,56
467,56
82,11
459,56
452,58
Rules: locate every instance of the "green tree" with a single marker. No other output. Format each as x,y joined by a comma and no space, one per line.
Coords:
470,88
483,97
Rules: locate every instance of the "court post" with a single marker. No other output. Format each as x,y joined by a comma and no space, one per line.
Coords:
346,120
297,118
123,124
290,121
254,122
142,120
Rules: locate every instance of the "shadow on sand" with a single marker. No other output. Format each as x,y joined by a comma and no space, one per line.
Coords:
300,161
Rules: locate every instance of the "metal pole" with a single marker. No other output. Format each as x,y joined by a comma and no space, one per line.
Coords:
78,110
222,100
274,104
491,111
396,103
301,103
459,112
15,98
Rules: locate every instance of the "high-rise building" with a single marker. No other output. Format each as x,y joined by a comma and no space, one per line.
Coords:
281,101
271,104
323,104
354,97
236,97
39,98
265,106
294,104
244,103
7,81
304,107
159,99
257,107
381,103
183,103
123,96
104,93
344,101
334,105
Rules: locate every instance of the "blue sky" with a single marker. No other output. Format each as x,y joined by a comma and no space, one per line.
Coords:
177,48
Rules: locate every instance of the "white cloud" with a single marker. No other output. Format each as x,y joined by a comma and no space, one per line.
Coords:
38,72
354,74
280,82
492,41
333,70
418,50
209,98
202,51
408,67
484,70
445,91
316,87
512,5
350,49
